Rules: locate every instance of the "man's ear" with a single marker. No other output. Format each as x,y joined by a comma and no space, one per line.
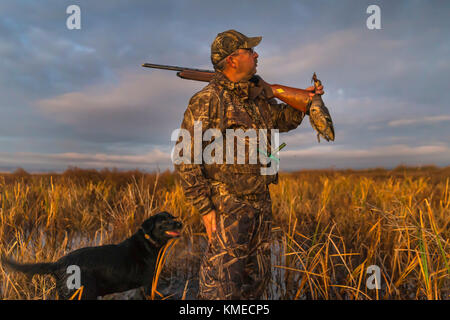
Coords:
231,62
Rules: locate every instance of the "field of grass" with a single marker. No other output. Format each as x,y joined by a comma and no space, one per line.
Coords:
329,227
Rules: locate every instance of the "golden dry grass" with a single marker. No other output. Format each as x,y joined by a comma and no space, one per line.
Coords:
329,226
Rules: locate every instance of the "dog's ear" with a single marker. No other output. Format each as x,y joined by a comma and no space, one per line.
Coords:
166,215
148,225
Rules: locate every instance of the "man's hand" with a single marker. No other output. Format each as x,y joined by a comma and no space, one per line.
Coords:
313,91
260,85
266,88
209,221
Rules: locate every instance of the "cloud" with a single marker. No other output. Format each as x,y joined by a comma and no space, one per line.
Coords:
365,63
41,62
323,156
84,93
323,52
142,106
346,54
59,161
419,120
343,157
297,139
399,150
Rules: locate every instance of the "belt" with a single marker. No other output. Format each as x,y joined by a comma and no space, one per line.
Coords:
255,197
216,185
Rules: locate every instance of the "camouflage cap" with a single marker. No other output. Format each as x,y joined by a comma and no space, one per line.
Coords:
229,41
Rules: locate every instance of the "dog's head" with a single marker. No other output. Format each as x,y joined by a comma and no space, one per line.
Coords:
161,227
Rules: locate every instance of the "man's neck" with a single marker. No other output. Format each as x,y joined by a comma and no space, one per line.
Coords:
234,77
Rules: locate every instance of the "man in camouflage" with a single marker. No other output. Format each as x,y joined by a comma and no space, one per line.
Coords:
233,199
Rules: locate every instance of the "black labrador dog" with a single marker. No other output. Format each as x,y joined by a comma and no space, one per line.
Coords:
109,268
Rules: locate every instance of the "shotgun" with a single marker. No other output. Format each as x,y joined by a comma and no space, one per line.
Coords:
319,116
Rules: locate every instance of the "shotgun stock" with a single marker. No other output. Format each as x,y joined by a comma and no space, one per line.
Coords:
196,75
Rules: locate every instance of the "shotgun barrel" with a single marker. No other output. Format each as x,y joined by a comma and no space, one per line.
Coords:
173,68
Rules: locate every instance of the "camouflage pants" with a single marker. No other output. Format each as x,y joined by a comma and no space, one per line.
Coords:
237,263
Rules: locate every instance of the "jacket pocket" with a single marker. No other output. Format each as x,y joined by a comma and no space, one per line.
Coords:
245,179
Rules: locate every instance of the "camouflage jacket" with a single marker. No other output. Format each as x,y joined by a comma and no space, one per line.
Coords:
223,105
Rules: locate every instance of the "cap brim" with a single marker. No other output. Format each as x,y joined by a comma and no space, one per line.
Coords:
253,42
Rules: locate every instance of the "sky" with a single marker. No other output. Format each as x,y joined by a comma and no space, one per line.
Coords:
81,98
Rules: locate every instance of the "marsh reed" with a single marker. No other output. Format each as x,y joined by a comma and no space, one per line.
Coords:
329,227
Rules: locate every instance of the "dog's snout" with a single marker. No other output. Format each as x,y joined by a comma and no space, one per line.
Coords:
178,225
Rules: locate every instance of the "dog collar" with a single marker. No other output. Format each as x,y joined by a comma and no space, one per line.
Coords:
149,239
